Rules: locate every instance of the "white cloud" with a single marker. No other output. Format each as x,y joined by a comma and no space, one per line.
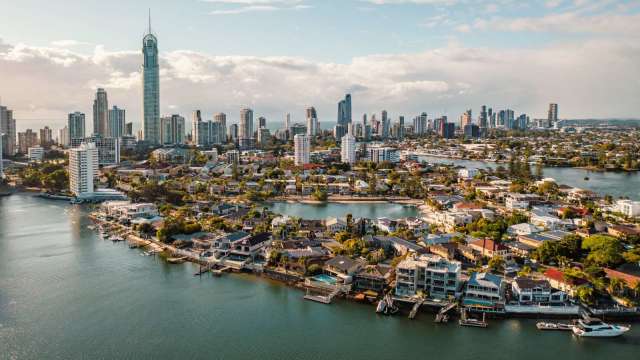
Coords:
589,79
68,43
244,9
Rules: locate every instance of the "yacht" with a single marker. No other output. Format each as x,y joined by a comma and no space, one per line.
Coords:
593,327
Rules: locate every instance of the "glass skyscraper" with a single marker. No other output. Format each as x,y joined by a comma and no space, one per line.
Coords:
151,89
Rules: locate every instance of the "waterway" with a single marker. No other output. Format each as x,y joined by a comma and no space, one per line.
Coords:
65,294
616,184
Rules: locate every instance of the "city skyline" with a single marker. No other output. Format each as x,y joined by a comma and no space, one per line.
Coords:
440,79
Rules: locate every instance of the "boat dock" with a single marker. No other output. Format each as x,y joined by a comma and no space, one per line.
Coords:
442,316
467,321
415,308
324,299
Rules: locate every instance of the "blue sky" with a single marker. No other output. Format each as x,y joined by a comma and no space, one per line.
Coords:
406,56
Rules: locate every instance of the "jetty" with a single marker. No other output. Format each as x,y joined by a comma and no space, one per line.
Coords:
415,308
467,321
442,316
324,299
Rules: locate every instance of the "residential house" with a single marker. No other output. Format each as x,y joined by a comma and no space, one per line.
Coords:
527,290
343,268
484,290
373,278
489,248
559,281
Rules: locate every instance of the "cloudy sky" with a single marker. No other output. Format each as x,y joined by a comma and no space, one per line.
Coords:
278,56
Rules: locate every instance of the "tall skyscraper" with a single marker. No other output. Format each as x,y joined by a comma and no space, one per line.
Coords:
553,114
245,130
63,136
150,88
483,117
262,122
196,124
101,113
27,139
117,119
287,121
400,134
172,130
344,111
348,149
233,132
420,124
128,129
466,119
221,118
46,137
83,168
302,148
384,133
7,131
76,125
312,121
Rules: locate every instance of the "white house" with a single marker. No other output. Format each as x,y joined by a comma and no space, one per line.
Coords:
628,207
526,290
335,225
467,173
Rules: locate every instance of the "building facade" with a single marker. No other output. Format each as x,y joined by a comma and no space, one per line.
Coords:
348,149
83,168
101,113
302,149
150,89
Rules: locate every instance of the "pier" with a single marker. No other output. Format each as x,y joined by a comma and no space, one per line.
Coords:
415,308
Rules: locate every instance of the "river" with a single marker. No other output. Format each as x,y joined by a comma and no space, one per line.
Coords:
616,184
66,294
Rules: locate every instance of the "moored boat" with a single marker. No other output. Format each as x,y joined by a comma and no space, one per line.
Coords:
554,326
594,327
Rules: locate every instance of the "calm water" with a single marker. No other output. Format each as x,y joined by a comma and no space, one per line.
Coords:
65,294
326,210
616,184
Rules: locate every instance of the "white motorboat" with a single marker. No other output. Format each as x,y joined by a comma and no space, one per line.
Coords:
594,327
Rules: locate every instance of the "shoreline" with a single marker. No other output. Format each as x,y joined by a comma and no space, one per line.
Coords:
281,278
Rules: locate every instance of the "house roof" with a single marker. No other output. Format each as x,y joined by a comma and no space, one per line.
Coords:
485,279
489,244
628,278
529,283
341,263
558,276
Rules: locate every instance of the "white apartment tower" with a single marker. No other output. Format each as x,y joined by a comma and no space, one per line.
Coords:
83,168
348,149
302,147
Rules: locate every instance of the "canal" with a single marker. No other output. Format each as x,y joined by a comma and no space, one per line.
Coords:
65,294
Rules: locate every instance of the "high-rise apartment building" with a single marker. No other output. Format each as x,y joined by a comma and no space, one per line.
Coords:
245,129
46,137
76,123
302,149
384,133
7,131
108,148
101,113
196,124
150,89
466,119
83,168
117,120
420,124
172,130
344,111
221,119
27,139
348,149
312,121
553,114
63,136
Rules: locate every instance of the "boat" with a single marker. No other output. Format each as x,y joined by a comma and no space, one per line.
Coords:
586,178
382,305
594,327
554,326
176,260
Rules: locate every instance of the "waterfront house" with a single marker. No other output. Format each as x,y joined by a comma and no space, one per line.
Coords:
527,290
484,290
430,274
559,281
373,278
386,224
342,267
248,248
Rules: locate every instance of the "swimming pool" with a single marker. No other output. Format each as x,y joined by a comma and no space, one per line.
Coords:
327,279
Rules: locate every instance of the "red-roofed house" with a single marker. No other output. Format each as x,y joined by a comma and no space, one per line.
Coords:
489,248
558,281
629,279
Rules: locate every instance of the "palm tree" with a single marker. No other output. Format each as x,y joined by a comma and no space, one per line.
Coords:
616,286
